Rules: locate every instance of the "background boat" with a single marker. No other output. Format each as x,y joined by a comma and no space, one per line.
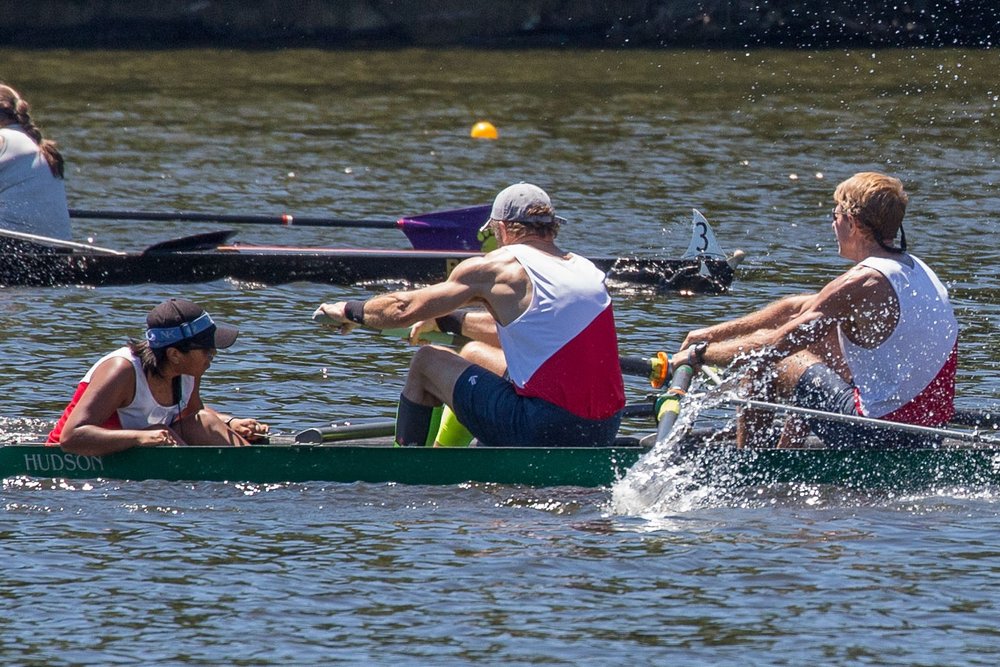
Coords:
34,261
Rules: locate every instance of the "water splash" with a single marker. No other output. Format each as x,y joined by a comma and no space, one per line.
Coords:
663,481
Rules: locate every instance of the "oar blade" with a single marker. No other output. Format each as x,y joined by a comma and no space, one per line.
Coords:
457,229
191,243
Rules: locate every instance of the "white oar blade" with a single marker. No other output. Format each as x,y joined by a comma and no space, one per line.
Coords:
703,242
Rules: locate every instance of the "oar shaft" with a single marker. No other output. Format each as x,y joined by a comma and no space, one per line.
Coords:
439,337
669,408
865,421
347,430
283,219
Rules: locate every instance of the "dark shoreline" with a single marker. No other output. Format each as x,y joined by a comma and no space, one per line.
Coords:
333,24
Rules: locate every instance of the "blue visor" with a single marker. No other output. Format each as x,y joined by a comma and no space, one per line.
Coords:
160,337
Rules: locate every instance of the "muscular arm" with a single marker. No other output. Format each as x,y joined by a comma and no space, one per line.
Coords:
860,301
770,317
490,281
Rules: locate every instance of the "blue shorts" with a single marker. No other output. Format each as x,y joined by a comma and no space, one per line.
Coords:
492,410
821,388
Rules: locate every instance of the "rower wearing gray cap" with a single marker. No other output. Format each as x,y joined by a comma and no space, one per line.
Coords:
542,368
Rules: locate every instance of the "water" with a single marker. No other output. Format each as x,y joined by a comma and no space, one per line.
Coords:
626,143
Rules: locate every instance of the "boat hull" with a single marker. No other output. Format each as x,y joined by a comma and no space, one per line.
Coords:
723,467
531,466
29,264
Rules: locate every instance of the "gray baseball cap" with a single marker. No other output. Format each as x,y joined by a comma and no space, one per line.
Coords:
513,205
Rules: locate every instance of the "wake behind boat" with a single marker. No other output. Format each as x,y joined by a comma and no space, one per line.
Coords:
29,260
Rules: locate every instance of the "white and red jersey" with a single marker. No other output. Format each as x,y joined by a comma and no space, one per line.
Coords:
564,347
144,410
911,376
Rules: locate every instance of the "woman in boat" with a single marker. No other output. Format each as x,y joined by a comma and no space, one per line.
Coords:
147,393
880,340
32,194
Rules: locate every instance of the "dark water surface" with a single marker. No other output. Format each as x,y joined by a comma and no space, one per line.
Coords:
626,143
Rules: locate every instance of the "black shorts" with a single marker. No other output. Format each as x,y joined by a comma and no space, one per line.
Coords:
821,388
497,415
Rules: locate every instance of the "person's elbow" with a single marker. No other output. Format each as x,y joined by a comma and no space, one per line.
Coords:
74,442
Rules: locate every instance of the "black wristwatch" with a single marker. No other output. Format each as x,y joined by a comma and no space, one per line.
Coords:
698,352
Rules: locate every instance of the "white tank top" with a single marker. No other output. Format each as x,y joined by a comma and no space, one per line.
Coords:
144,410
894,373
32,199
564,348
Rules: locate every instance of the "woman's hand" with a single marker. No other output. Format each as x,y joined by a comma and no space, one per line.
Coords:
250,429
158,437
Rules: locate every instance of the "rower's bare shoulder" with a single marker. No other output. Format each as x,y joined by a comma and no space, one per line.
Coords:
856,286
491,263
858,277
116,375
114,379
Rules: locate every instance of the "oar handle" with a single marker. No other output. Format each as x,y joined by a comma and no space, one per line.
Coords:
656,369
349,429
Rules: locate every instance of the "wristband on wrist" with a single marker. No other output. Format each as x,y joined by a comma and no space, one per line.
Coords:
699,353
451,323
230,421
355,311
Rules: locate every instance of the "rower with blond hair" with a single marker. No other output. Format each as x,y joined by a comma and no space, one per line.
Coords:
878,341
32,194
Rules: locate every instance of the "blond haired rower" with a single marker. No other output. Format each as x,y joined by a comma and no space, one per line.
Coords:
880,340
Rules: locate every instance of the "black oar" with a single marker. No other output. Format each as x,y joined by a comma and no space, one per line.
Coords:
348,429
456,229
656,369
232,218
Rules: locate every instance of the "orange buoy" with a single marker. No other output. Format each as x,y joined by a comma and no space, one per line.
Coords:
484,130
